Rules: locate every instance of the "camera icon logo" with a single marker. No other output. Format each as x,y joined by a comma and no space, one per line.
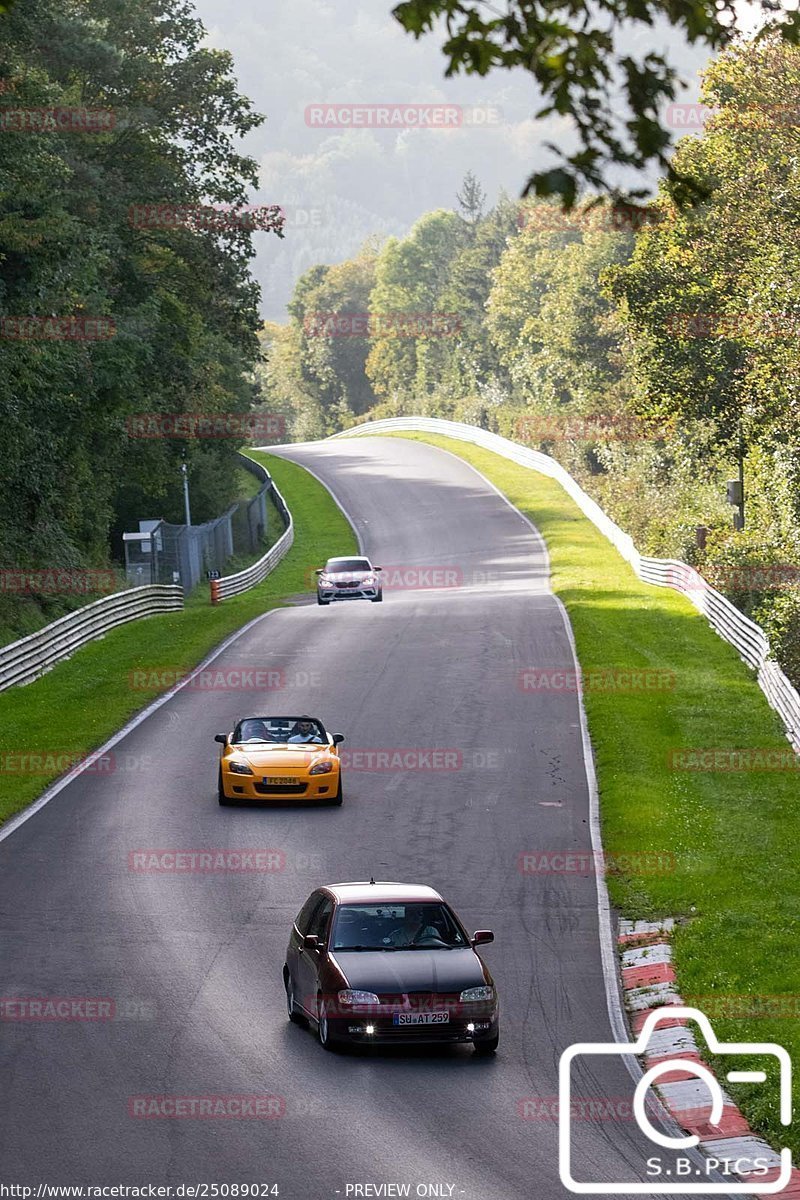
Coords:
651,1076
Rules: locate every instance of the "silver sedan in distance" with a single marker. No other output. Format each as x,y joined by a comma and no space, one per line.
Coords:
348,579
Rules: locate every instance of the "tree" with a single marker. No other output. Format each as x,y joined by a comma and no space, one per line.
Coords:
403,303
177,298
329,311
339,361
571,49
711,298
555,331
285,392
519,285
471,200
469,363
579,363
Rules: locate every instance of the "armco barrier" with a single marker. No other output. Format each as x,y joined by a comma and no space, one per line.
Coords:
748,638
27,659
232,585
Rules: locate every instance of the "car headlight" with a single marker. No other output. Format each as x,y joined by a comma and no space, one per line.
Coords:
349,996
478,993
321,768
368,580
324,580
239,768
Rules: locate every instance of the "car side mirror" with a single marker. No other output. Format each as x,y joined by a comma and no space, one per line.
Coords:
482,937
337,738
318,570
221,737
377,568
310,941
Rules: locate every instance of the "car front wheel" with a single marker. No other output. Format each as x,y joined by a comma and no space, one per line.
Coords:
377,599
291,1008
323,1027
223,799
488,1046
337,799
321,601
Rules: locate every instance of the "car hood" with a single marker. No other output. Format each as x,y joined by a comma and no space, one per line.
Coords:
412,970
281,757
347,576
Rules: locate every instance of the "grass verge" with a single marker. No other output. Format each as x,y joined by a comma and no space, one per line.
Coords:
84,700
732,835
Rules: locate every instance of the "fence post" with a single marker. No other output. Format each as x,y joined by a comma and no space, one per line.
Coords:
214,591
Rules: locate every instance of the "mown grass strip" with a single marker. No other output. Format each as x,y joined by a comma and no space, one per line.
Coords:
732,834
81,702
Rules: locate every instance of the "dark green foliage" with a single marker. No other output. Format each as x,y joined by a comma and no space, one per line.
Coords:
178,297
571,49
636,344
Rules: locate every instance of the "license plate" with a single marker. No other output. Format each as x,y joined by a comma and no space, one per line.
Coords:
431,1018
279,779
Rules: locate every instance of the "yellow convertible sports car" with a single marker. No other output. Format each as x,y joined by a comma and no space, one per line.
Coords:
280,758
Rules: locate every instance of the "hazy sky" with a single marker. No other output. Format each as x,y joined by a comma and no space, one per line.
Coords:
338,186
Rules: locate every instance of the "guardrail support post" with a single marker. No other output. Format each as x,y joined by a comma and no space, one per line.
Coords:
215,591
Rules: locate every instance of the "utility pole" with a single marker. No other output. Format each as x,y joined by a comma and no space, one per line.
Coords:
185,473
735,487
740,514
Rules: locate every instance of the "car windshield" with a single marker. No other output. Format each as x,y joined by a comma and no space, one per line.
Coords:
397,927
282,730
335,565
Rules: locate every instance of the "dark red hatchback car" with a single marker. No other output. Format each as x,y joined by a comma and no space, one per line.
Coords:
389,963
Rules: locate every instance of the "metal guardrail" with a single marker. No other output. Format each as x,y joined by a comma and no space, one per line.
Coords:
233,585
255,468
32,656
255,510
745,635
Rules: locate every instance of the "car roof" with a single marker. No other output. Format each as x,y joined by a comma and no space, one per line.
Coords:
349,558
380,892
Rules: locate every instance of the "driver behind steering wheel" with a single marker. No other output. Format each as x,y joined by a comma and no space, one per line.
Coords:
411,930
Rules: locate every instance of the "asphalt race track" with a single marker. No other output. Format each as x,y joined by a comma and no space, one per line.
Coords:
192,961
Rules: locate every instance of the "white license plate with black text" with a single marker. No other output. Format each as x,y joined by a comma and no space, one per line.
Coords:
431,1018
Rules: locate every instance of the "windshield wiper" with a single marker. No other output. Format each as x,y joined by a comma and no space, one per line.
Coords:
343,949
437,946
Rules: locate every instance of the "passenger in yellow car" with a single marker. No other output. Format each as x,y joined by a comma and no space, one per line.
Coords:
305,731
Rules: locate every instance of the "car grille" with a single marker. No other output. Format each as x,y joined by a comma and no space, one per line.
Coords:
452,1032
341,586
420,1001
280,789
455,1030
